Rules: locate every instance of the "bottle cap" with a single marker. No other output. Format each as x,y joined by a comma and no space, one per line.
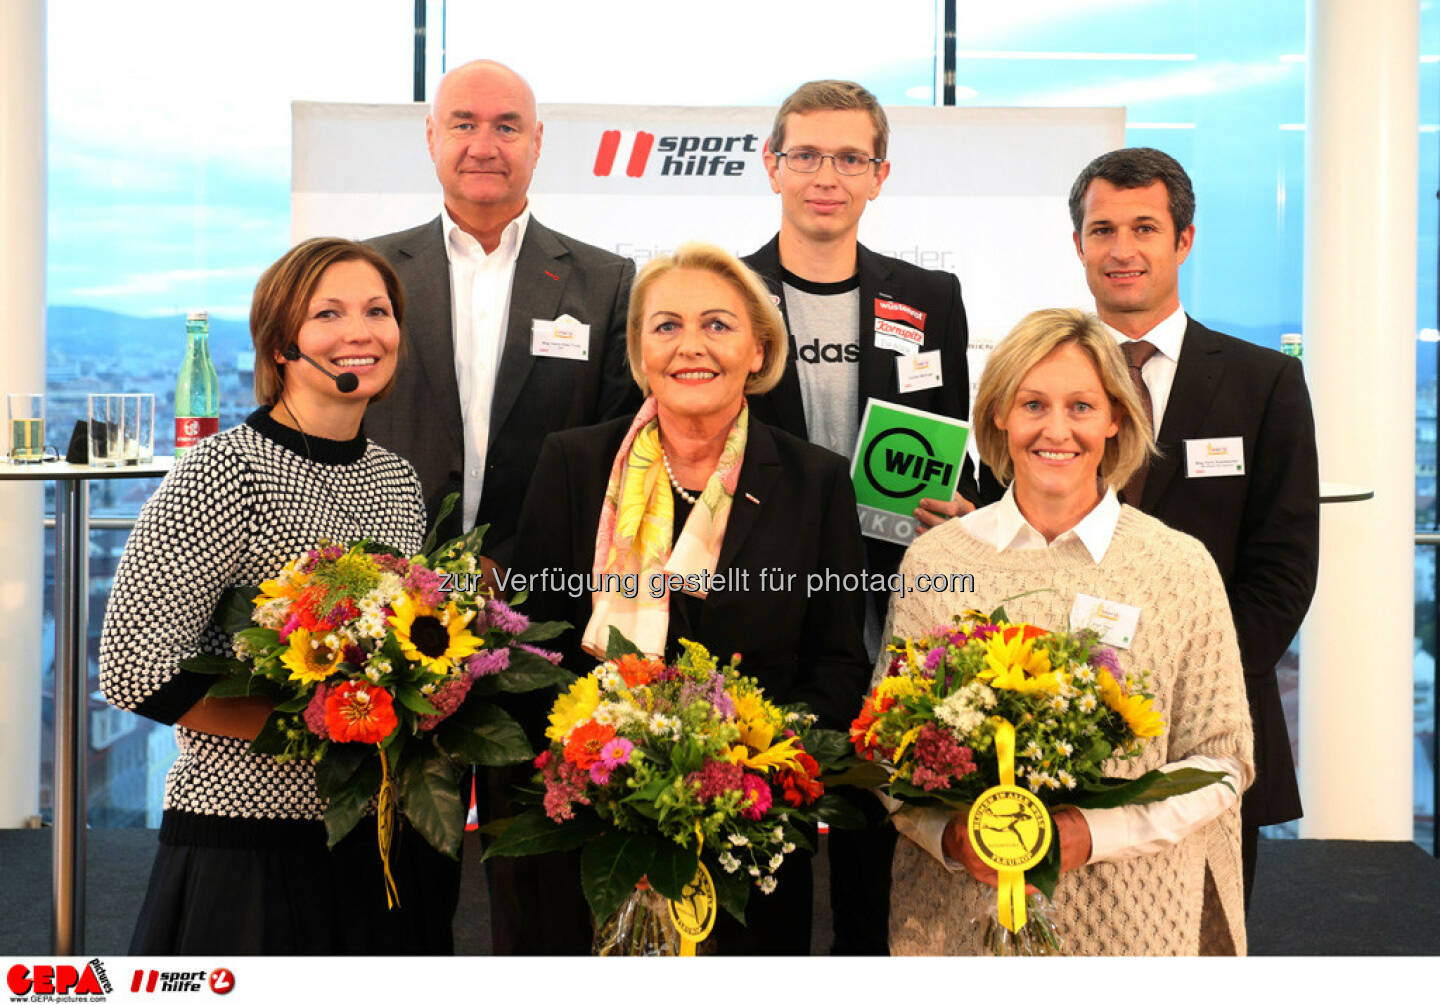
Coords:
1290,338
198,316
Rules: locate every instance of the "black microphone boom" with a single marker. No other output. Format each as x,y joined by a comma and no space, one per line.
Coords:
344,382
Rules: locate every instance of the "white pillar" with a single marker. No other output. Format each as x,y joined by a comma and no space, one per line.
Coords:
1362,175
22,341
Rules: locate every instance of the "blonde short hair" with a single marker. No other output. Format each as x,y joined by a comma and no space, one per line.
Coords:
765,320
1036,336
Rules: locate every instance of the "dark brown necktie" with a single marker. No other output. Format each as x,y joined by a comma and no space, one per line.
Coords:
1136,353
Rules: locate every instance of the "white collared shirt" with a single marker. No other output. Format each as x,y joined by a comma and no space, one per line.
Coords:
480,311
1004,527
1159,371
1125,831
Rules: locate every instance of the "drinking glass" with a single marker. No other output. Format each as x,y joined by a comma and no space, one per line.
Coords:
107,430
26,413
138,427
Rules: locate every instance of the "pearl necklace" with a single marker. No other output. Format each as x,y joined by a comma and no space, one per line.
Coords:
675,482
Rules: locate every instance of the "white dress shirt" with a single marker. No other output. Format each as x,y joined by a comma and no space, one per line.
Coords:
1124,831
1158,373
480,310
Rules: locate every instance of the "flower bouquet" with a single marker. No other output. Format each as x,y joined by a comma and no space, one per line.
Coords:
378,666
1005,721
685,787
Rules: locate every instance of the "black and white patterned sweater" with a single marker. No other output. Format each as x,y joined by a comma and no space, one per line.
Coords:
233,511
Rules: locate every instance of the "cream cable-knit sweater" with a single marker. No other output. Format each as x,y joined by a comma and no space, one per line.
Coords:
1182,901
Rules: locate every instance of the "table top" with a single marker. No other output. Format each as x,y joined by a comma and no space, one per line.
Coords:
1338,492
61,471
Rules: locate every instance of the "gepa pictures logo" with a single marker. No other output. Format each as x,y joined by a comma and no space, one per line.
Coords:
58,981
690,155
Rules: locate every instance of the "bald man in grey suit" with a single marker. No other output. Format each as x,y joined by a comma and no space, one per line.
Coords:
512,332
485,139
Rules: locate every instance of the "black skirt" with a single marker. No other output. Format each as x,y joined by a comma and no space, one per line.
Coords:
286,894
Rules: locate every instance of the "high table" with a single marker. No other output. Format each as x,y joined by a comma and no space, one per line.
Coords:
72,579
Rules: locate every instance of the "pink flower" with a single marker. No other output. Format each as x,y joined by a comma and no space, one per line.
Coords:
599,774
715,778
615,753
488,661
314,714
760,799
446,699
939,757
499,615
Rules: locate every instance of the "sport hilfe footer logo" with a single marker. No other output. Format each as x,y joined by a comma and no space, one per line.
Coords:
693,155
47,981
220,980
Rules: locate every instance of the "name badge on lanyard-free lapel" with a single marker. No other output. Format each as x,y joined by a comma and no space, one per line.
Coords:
1113,621
1215,458
563,338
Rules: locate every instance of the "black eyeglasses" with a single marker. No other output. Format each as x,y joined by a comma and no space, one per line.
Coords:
807,161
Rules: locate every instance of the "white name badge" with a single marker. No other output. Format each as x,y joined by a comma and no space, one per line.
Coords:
1114,622
1218,458
918,372
563,338
898,337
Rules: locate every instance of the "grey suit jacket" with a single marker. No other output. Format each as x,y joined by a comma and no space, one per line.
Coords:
421,420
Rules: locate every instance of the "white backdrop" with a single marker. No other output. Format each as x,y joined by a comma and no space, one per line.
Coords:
980,192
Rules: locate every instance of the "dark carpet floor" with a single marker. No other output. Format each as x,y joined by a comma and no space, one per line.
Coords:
1330,898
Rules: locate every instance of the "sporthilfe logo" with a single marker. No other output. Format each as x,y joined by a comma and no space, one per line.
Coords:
684,156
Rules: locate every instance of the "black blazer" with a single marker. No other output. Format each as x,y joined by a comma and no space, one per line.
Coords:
1262,528
932,291
794,512
421,420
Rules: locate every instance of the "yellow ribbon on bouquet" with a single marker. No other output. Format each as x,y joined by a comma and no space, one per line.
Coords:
694,912
1010,830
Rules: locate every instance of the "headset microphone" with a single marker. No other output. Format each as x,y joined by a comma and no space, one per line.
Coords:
344,382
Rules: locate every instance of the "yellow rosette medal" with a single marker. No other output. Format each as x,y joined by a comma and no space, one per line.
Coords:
694,912
1010,830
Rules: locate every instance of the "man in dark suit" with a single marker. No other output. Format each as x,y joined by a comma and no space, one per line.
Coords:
1212,396
512,332
855,319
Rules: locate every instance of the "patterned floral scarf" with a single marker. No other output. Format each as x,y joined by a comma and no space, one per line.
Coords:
637,528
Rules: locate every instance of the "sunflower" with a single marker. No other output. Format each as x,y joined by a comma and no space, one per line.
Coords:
435,638
575,706
1137,710
310,662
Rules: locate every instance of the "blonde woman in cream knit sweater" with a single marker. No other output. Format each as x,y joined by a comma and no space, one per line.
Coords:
1057,412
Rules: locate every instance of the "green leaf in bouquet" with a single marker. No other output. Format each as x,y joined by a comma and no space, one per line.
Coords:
416,702
259,639
827,745
293,705
338,766
481,733
430,799
1046,874
237,685
860,774
672,868
347,805
611,865
447,506
542,631
618,645
216,665
234,611
520,598
272,739
732,889
837,811
370,546
528,672
1148,788
916,796
533,833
